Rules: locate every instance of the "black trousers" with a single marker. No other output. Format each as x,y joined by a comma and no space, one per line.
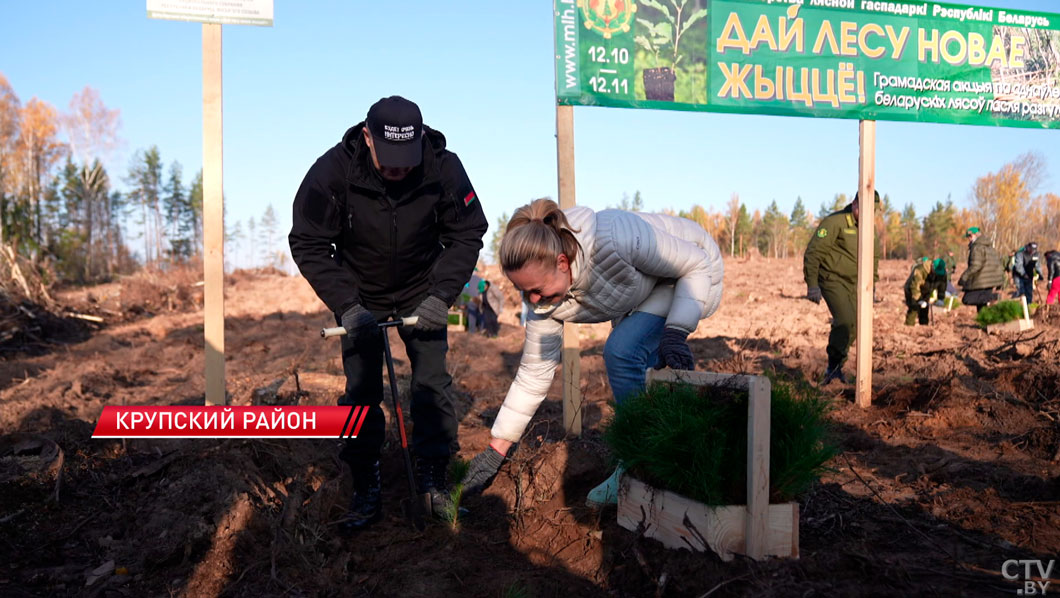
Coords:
841,298
433,415
490,324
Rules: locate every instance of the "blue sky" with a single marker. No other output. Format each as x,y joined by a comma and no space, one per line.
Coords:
482,73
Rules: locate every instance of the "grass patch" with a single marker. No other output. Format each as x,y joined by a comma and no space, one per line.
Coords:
999,313
693,440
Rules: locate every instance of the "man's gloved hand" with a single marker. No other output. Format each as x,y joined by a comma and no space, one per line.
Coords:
814,294
483,469
359,323
923,304
673,350
433,314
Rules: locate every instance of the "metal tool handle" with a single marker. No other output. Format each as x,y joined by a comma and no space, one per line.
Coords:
340,331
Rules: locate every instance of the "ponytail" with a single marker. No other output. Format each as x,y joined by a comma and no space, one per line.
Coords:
537,233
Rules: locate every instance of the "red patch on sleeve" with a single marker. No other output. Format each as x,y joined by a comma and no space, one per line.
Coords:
469,198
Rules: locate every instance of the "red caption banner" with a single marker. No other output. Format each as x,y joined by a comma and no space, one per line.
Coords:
186,421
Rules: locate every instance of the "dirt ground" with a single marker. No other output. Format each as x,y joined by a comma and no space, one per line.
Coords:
953,470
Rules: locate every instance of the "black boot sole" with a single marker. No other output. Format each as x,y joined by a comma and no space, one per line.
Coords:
356,525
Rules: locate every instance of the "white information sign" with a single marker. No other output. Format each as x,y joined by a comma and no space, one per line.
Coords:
225,12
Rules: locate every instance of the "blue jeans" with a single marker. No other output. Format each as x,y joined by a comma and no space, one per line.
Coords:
630,350
1025,287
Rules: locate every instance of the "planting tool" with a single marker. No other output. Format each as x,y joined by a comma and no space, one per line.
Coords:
418,503
340,331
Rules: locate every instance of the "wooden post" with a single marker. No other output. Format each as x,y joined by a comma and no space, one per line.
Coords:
1026,312
572,395
866,248
213,215
758,414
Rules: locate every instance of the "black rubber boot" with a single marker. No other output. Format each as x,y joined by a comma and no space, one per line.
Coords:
834,373
432,477
366,507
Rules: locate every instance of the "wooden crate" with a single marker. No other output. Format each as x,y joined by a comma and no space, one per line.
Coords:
461,321
757,529
1014,325
1011,326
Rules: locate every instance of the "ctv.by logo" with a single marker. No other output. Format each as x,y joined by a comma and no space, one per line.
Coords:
1010,570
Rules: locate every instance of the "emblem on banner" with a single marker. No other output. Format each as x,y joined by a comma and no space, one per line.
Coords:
608,16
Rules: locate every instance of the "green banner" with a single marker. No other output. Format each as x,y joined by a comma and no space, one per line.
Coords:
861,59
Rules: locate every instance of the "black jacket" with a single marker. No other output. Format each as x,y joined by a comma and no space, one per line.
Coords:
1052,263
386,246
1027,263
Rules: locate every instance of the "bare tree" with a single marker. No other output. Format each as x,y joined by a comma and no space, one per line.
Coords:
733,221
91,128
40,150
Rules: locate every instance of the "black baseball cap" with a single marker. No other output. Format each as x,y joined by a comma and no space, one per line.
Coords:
397,131
877,193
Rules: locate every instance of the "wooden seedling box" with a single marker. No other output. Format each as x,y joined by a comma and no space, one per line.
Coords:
461,321
757,529
1014,325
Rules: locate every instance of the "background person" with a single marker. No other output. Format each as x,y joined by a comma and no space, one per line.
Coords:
1027,268
830,268
1052,268
985,273
951,271
926,278
653,276
386,224
492,307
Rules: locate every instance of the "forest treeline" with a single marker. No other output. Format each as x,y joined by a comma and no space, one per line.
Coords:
1005,204
75,222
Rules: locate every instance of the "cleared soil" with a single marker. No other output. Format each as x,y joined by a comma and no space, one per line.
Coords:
951,472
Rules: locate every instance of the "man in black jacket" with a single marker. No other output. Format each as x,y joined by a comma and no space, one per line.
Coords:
1026,269
386,224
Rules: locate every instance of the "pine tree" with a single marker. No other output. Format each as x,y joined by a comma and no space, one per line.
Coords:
778,229
252,231
799,224
179,215
839,201
498,234
234,240
195,210
145,182
744,229
911,225
10,115
268,235
940,232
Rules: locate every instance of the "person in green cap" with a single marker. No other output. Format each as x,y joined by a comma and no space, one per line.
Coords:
926,277
985,273
830,268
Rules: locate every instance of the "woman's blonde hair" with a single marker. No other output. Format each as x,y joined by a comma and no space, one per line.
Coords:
537,233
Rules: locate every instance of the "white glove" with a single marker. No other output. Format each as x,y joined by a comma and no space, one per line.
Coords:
923,305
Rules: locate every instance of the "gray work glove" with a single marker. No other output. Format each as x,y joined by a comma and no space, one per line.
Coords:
359,323
814,294
483,469
433,314
673,350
